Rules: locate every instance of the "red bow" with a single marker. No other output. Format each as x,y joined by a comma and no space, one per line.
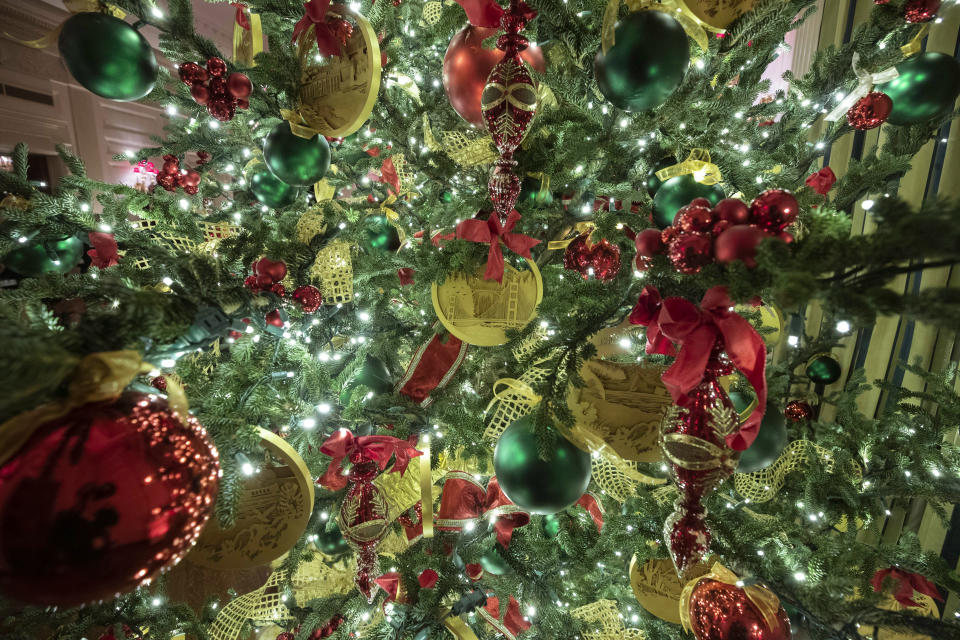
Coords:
242,20
465,500
593,507
104,253
513,623
315,13
906,583
380,449
389,175
696,330
493,233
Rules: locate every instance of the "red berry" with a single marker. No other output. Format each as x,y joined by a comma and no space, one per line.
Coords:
190,179
273,318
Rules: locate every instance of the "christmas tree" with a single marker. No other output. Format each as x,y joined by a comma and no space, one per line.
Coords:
481,320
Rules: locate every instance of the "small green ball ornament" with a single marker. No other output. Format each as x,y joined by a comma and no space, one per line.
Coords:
269,189
926,88
372,374
652,183
58,256
332,542
381,236
679,192
295,160
108,56
493,563
771,439
824,369
532,195
646,63
536,485
551,526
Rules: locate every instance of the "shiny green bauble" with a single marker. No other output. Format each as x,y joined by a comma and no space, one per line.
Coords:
332,542
58,256
372,374
270,190
679,192
532,194
108,56
381,236
771,439
652,183
646,63
551,526
824,369
493,563
537,485
926,88
295,160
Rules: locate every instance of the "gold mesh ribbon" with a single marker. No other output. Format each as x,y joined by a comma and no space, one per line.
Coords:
697,164
11,201
334,269
514,398
310,225
73,6
762,598
916,42
247,43
433,10
693,26
763,485
464,150
606,622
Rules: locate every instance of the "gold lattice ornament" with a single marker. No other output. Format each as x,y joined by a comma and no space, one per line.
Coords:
273,511
763,485
465,150
310,225
334,269
604,622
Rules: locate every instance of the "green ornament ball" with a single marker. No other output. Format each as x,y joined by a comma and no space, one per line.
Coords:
771,439
537,485
551,526
332,542
530,194
824,369
493,563
381,236
647,62
372,374
269,189
582,206
58,256
926,88
652,183
108,56
297,161
678,192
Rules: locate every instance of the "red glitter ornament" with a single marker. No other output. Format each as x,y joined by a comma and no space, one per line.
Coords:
218,87
870,111
102,498
739,243
239,85
921,10
734,210
286,635
191,73
309,298
278,289
721,611
159,383
668,235
191,178
798,411
200,93
169,181
216,66
363,520
719,227
693,218
649,243
773,210
222,108
689,252
273,318
602,260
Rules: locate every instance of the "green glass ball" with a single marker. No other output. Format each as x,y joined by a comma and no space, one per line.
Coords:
652,183
536,485
372,374
824,369
297,161
771,439
926,88
108,56
381,236
58,256
269,189
493,563
551,526
332,542
646,63
679,192
530,195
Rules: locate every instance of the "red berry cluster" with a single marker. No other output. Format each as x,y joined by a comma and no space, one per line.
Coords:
171,176
729,231
601,259
267,276
213,88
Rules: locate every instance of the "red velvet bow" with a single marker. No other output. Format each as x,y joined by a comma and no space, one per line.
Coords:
906,583
315,13
513,623
493,233
343,444
465,500
242,20
696,330
104,253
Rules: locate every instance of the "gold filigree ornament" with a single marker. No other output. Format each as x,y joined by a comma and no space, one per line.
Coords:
333,267
272,513
605,622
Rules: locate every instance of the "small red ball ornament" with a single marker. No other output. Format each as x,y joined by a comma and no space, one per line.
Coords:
191,73
693,218
273,318
921,10
216,66
218,87
309,298
243,103
739,243
200,93
721,611
191,179
222,108
602,260
689,252
734,210
648,243
102,498
159,383
870,111
774,210
798,411
239,85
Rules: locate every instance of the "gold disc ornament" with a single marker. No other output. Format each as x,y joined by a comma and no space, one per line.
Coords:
771,322
715,15
657,587
480,311
337,92
272,512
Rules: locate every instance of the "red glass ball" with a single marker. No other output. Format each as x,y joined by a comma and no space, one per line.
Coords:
200,93
190,179
732,209
649,243
694,218
739,243
243,103
101,499
309,298
719,227
271,270
700,202
239,85
921,10
170,165
689,252
798,411
191,73
720,611
222,108
216,66
467,64
870,111
773,210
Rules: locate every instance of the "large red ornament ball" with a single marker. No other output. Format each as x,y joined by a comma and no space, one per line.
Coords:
467,64
721,611
921,10
309,298
102,498
798,411
239,85
689,252
774,210
739,243
733,210
870,111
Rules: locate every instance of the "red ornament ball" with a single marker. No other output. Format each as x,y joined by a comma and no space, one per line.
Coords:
101,499
273,318
222,108
798,411
286,635
243,103
720,611
216,66
719,227
159,383
269,271
200,93
278,289
773,210
191,179
218,87
739,243
169,181
667,235
648,243
870,111
191,73
921,10
733,210
694,218
309,298
601,260
239,85
689,252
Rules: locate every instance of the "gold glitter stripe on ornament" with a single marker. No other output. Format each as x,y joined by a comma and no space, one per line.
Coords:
691,25
697,164
763,485
462,149
762,598
606,622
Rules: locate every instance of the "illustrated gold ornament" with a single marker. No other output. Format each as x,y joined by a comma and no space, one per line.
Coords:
479,311
657,587
272,512
715,15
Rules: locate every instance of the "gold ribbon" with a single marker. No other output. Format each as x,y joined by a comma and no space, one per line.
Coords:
96,378
73,6
713,456
298,125
323,190
245,52
579,229
519,387
916,43
762,598
426,490
392,216
697,164
693,26
457,627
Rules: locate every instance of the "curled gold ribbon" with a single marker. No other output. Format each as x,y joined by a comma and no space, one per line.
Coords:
243,51
519,387
692,25
298,125
916,43
697,164
426,490
762,598
579,229
73,6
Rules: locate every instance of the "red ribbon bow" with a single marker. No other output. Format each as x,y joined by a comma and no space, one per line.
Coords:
464,500
493,233
696,330
343,444
389,175
315,13
242,20
104,253
906,583
513,623
593,507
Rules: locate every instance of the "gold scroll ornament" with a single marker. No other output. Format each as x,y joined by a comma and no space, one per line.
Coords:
605,622
480,311
657,587
273,511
